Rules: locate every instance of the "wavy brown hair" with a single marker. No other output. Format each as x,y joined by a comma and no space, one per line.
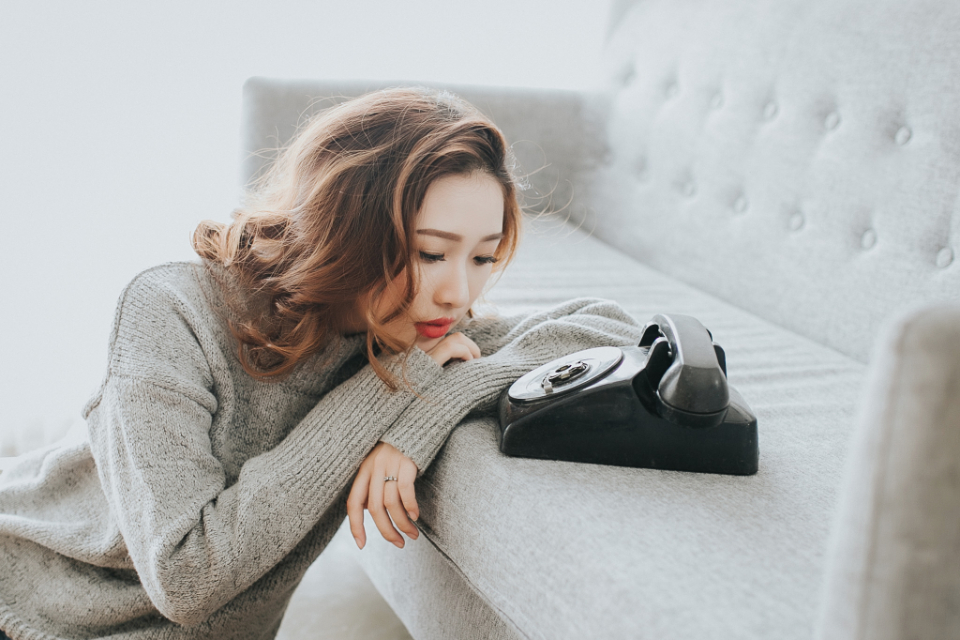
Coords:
333,221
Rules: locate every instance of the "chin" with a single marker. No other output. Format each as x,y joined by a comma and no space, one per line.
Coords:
428,343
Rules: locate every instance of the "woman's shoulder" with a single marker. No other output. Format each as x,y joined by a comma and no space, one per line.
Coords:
161,317
191,288
184,277
168,304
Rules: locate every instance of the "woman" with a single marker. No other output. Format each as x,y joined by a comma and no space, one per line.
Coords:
309,367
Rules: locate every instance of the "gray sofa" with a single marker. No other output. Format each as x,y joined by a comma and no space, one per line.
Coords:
787,171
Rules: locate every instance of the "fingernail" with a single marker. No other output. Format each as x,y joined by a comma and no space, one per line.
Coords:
411,516
399,544
359,542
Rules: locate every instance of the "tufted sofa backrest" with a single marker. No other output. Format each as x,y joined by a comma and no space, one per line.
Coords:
799,158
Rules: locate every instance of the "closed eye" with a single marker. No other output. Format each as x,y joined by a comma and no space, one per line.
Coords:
431,257
481,260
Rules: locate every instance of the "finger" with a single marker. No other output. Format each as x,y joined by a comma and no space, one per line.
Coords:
457,350
391,500
377,510
443,353
405,479
356,501
470,345
474,349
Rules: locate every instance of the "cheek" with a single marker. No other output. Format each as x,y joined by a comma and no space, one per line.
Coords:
426,278
478,280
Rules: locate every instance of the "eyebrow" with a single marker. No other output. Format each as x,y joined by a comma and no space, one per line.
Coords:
456,237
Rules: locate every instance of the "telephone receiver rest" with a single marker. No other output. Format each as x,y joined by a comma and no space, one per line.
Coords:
685,373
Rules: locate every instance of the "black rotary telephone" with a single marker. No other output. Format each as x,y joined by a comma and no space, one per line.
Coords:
664,404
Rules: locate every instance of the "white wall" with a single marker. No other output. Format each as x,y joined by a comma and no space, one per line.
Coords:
119,124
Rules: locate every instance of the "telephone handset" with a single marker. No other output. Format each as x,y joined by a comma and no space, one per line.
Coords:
688,369
664,404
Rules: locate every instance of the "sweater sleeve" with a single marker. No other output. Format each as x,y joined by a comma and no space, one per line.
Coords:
509,347
195,542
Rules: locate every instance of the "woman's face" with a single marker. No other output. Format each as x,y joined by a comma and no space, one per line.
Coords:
458,230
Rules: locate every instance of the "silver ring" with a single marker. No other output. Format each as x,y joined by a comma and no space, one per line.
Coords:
389,478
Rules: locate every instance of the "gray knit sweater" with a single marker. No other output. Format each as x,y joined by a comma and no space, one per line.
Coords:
202,495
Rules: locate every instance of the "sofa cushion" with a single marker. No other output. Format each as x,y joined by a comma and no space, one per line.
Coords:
567,550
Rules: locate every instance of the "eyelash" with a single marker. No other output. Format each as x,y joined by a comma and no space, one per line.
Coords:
439,257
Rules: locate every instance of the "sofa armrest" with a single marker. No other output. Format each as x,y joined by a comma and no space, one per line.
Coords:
557,135
894,568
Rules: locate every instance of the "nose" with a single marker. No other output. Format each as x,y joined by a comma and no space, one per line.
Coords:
453,290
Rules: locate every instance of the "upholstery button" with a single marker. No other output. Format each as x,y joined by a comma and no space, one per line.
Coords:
740,204
689,189
832,121
796,221
717,101
868,239
672,90
770,111
903,135
944,257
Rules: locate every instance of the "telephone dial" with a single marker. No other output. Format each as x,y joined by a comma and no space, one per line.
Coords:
664,404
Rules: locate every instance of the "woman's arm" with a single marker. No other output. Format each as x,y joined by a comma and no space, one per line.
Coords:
195,542
510,347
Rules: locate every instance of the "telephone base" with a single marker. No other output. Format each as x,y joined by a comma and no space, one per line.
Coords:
612,420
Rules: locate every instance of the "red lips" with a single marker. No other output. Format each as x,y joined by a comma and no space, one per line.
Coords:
434,328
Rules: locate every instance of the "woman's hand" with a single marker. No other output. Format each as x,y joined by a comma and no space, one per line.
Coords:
381,497
455,346
396,500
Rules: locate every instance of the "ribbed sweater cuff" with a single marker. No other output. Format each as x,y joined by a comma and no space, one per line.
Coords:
477,384
336,435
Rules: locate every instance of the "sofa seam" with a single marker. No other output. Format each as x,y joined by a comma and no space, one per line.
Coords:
463,576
